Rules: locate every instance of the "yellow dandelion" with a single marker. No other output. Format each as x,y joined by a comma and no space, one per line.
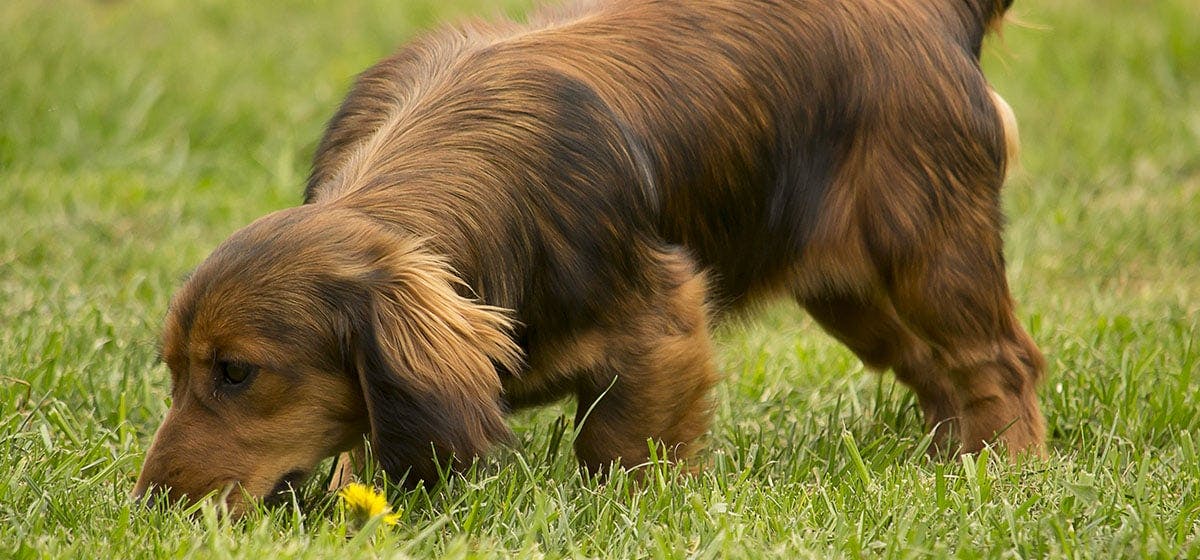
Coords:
364,503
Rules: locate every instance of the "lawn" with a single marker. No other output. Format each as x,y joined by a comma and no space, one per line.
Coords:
135,136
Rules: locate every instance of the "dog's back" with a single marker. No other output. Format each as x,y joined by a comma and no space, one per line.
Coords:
741,123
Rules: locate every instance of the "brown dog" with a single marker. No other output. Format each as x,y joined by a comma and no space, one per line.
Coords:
502,216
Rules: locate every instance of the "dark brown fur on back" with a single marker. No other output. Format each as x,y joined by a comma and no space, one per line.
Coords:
569,198
721,127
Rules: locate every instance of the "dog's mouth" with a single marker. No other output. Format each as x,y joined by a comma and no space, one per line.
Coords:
286,490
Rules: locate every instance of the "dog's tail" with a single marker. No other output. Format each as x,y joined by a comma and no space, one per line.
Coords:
989,14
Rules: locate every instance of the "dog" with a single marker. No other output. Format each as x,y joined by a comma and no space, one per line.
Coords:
506,215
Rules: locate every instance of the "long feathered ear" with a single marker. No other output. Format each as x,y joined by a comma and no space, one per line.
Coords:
427,362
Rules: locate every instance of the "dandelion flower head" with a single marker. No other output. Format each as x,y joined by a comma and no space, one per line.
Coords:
364,503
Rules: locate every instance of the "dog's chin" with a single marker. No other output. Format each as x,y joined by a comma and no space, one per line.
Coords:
286,489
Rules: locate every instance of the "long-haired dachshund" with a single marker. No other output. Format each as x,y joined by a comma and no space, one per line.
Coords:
504,215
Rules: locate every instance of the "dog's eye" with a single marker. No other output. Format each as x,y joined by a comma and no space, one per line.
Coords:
234,373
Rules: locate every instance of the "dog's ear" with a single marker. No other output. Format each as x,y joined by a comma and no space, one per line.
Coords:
427,360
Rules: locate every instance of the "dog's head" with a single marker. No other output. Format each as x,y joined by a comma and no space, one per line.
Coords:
308,329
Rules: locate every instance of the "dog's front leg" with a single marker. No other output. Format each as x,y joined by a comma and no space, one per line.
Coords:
652,387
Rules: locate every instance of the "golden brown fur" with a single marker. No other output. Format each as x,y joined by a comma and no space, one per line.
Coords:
501,216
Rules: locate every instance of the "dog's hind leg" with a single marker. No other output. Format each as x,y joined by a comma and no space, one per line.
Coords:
928,214
871,329
954,296
651,388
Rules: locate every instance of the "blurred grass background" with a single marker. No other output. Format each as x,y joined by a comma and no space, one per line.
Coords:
135,136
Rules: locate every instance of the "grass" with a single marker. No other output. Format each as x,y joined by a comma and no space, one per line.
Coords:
134,136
